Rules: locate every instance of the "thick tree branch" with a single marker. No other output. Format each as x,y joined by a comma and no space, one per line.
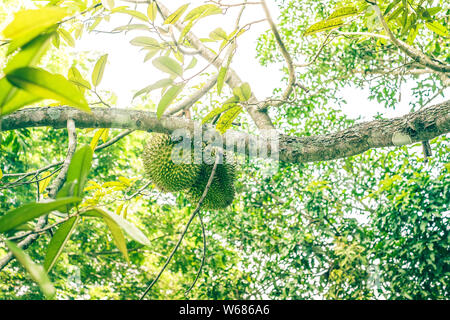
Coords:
424,124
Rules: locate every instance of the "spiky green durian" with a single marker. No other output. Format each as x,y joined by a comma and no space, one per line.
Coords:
221,192
166,174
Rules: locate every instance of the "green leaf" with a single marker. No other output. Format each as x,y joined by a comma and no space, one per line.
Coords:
99,68
227,118
437,28
147,42
118,237
323,26
343,13
412,35
152,10
30,211
395,14
432,11
236,33
96,22
133,13
192,64
230,103
77,173
186,29
48,86
168,98
218,34
67,37
246,91
150,54
19,98
168,65
12,98
56,40
75,76
203,11
126,226
98,134
221,79
163,83
174,17
43,184
31,53
243,92
36,271
179,56
223,71
58,241
390,7
28,24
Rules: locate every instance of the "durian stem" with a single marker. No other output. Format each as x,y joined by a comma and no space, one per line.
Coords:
197,209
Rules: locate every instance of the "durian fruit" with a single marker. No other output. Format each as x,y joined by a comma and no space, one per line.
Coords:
167,175
221,192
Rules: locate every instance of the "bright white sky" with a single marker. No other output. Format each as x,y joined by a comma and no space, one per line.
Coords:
126,72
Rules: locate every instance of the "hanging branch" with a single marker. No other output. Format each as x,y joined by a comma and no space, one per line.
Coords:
197,209
203,255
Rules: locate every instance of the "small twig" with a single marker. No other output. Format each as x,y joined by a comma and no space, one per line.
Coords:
94,91
364,34
433,97
189,101
43,229
232,40
34,179
323,45
37,172
139,191
81,13
243,4
179,47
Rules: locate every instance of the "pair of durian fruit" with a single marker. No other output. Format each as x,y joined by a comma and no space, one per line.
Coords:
174,176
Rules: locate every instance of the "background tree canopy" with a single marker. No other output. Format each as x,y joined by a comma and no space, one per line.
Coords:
352,210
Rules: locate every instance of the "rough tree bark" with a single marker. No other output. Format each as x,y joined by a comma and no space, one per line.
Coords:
421,125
